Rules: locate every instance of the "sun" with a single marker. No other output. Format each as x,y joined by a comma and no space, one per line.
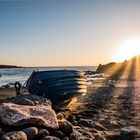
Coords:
127,50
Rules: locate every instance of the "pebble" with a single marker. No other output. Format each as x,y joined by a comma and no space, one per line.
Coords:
99,137
58,134
66,127
71,118
31,132
1,132
42,133
60,116
15,135
24,101
75,135
65,138
128,133
50,138
98,126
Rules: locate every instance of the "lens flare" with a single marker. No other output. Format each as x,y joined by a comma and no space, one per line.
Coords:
128,50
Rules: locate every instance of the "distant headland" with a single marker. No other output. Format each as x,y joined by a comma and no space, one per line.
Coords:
113,66
9,66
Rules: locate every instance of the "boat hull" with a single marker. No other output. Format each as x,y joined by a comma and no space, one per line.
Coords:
59,86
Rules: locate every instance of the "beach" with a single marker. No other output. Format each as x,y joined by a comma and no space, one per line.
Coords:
105,112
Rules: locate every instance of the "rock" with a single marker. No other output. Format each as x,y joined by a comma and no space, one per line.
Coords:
98,126
129,132
75,135
16,115
24,101
113,136
15,135
71,118
42,133
99,137
65,138
85,138
60,116
31,132
50,138
86,122
65,126
34,98
58,134
1,132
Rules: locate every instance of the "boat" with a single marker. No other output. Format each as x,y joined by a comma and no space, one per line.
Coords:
59,86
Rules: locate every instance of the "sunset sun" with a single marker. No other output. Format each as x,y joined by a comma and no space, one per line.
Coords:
127,50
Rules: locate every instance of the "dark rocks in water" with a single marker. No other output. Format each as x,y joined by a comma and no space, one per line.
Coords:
31,132
50,138
16,115
15,135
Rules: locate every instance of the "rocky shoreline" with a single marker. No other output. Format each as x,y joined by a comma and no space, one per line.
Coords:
105,113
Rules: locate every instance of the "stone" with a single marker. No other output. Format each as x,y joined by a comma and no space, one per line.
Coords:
99,137
113,136
16,115
74,136
15,135
42,133
98,126
60,116
65,138
50,138
1,132
31,132
24,101
34,98
65,126
86,122
71,118
58,134
129,132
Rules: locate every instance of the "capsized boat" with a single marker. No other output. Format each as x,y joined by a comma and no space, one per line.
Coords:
60,86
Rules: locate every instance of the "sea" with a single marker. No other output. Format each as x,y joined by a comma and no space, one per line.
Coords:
12,75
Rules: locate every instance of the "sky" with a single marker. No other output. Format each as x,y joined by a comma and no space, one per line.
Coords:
65,32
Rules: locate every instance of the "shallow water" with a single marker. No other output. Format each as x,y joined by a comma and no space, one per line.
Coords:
11,75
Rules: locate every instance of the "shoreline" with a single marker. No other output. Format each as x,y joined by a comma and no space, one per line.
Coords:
109,110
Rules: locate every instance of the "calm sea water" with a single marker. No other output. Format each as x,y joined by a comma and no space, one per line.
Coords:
22,74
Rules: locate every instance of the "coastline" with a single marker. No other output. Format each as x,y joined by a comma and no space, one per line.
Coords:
108,108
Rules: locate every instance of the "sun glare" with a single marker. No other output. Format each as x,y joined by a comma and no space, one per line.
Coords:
128,50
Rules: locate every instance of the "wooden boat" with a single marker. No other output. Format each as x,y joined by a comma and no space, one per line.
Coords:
60,86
